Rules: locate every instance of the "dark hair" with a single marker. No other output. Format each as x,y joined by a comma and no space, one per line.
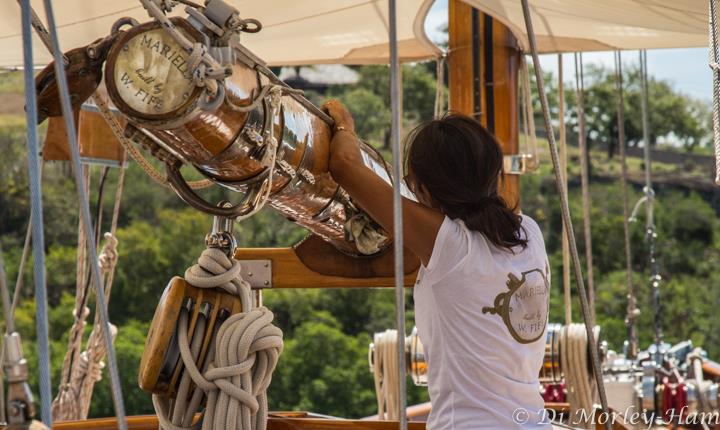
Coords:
460,163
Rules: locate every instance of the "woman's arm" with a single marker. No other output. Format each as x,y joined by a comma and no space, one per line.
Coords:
421,223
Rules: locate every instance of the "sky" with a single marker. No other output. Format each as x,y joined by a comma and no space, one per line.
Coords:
686,69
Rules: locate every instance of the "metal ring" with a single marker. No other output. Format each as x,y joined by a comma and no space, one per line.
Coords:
126,20
189,196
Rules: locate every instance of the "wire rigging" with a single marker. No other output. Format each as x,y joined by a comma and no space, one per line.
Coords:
585,180
38,237
567,298
565,210
85,214
632,310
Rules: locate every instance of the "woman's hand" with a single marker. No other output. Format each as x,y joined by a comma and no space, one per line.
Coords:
372,193
344,148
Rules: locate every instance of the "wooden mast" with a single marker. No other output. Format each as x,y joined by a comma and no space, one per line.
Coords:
483,63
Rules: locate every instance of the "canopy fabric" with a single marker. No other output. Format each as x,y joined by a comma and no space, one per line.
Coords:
294,31
300,32
593,25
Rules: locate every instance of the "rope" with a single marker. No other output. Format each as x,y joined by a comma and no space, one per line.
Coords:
439,107
398,248
239,363
632,311
206,71
567,297
36,216
385,375
579,382
42,32
139,158
714,59
565,211
91,364
528,117
649,201
65,405
85,215
17,294
585,181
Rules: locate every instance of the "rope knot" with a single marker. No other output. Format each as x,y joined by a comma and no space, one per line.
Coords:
240,361
108,256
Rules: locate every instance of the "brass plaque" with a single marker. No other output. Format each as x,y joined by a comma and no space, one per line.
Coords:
151,73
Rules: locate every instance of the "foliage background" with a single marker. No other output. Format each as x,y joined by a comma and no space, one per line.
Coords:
324,367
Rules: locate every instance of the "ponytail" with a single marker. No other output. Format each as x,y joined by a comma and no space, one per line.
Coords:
459,163
491,217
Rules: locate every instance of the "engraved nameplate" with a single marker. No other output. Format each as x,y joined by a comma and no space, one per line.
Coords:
151,73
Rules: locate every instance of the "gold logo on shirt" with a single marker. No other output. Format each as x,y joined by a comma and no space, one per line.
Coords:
524,307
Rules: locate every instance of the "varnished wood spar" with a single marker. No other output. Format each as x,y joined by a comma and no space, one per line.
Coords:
292,422
467,72
97,142
150,422
314,263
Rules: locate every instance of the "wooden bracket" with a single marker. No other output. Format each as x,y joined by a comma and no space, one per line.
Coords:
314,263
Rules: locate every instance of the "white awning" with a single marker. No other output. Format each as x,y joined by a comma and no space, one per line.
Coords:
355,31
294,31
603,25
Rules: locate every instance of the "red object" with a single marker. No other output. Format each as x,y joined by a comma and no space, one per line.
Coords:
554,393
674,401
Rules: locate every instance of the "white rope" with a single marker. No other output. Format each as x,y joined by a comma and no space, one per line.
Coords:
385,374
91,364
206,71
144,164
239,362
579,383
64,406
439,108
567,298
528,117
270,156
714,58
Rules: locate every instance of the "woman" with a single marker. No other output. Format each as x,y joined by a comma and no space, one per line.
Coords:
481,296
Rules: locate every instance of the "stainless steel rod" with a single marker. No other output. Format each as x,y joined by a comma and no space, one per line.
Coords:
395,94
36,218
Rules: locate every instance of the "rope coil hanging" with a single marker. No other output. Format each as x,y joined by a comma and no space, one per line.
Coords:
239,364
385,374
581,388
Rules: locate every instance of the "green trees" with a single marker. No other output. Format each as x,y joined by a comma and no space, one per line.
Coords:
672,115
324,365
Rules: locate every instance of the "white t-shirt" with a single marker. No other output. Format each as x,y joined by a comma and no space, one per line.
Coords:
481,314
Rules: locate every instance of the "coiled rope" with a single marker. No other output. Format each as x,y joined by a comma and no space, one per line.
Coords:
239,363
579,382
385,374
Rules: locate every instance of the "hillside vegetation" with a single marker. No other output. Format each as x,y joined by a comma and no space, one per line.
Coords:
324,365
